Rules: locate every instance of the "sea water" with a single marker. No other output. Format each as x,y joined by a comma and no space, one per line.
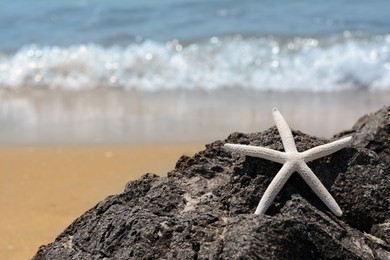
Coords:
156,45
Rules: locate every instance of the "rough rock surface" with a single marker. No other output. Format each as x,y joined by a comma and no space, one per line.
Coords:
373,132
204,208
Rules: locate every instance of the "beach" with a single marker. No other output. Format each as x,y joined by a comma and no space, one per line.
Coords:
94,94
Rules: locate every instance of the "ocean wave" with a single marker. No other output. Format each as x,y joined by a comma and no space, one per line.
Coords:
332,63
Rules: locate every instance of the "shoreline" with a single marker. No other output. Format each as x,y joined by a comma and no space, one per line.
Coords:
111,116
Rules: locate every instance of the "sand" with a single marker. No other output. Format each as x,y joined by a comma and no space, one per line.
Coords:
44,188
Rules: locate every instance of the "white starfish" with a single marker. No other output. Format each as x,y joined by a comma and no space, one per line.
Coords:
292,161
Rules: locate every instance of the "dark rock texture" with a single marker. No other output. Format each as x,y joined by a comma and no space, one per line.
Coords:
373,132
204,208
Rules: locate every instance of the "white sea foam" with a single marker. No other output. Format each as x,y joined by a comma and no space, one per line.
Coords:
281,64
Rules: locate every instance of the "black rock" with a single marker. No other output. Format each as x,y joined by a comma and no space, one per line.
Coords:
204,208
373,132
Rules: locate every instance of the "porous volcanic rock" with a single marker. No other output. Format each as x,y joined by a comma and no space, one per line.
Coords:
372,131
204,208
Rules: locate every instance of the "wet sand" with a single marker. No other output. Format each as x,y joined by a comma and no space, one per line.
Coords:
104,116
44,188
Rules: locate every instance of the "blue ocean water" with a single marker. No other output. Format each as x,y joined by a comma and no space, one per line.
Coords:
155,45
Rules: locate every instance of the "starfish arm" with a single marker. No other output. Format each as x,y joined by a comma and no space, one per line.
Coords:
326,149
257,151
318,188
274,187
284,131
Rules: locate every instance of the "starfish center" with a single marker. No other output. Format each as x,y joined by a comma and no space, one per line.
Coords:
294,156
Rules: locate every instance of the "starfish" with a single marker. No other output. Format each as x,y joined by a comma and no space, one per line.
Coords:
292,161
